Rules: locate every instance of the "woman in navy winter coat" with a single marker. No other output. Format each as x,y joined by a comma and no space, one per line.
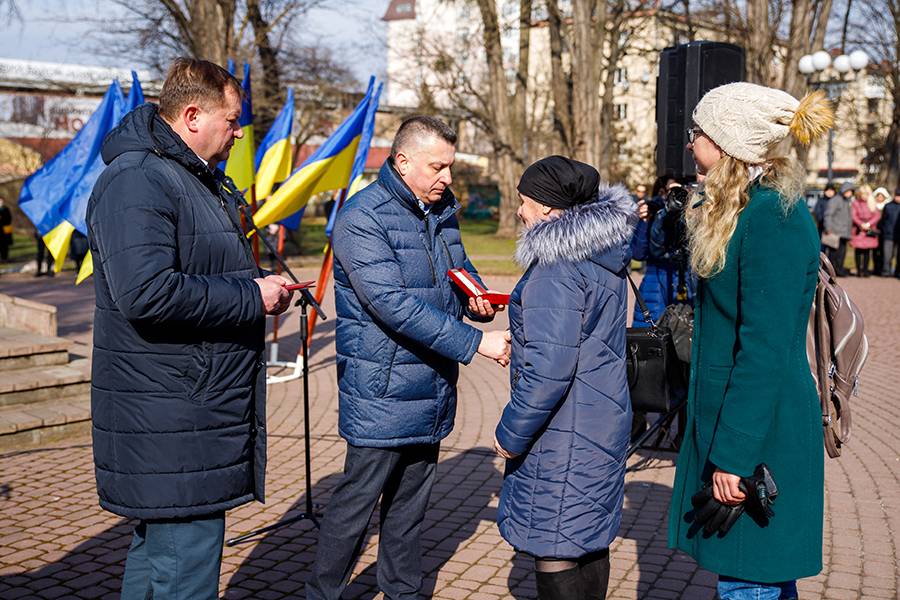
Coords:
565,430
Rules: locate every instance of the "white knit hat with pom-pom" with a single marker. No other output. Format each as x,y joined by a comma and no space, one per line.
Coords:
747,121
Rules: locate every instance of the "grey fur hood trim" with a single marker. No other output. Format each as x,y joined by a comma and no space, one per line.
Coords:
582,231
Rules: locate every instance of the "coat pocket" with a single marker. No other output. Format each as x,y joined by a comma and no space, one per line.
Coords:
198,373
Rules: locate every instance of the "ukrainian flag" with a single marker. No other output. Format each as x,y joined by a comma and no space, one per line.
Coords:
362,154
328,168
273,157
47,196
76,210
241,160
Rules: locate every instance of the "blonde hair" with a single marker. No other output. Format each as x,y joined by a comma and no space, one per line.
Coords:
711,222
864,192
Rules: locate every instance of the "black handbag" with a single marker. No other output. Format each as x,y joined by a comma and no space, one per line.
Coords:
657,379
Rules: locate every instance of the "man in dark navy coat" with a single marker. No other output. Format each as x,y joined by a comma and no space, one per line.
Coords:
400,339
178,381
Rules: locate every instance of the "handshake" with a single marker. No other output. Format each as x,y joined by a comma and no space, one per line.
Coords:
495,345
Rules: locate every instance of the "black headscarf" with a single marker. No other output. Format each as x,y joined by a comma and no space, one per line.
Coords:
560,182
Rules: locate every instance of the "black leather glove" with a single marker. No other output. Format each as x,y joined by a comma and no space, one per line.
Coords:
716,517
711,514
761,493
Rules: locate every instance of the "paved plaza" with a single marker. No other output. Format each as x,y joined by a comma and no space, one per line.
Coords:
56,542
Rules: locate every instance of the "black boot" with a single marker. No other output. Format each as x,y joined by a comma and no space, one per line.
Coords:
562,585
594,570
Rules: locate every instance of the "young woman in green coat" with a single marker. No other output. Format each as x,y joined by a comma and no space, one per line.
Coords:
752,399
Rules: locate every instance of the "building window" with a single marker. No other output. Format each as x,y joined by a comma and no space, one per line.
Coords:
621,75
621,111
872,105
404,8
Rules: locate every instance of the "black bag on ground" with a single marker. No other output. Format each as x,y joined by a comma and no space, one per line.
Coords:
656,377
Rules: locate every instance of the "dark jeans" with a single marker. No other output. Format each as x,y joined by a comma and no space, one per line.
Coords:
862,257
402,477
175,559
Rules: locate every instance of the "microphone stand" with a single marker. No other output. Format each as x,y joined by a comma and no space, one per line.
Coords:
306,300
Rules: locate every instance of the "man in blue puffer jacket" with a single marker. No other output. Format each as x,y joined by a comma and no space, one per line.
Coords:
400,339
178,377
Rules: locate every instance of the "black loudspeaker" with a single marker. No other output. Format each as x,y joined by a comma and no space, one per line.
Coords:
686,72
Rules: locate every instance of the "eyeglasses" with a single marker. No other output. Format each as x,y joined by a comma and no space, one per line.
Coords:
692,134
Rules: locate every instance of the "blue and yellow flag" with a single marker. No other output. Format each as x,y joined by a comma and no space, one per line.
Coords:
76,208
328,168
241,160
362,154
47,196
274,155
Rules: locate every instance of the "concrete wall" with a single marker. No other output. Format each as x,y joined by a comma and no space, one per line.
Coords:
26,315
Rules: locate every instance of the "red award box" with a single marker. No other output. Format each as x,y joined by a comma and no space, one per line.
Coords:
473,289
300,286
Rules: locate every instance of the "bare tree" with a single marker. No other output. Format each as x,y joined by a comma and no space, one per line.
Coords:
254,31
507,114
876,28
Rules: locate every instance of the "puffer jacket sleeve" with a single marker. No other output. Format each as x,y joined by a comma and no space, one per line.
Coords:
361,246
552,314
640,241
133,221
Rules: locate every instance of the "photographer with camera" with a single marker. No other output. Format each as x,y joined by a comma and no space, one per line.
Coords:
660,241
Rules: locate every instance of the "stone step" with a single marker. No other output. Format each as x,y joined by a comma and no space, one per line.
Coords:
25,426
39,384
22,349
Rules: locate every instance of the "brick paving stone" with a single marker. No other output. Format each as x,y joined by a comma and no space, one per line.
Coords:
55,542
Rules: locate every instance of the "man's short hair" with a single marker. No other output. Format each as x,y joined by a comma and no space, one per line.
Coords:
420,126
195,81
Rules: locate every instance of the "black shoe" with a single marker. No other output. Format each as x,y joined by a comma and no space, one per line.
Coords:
562,585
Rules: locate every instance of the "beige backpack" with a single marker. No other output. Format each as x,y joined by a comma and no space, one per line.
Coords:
837,349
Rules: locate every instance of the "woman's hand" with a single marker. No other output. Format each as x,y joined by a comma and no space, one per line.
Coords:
501,451
725,488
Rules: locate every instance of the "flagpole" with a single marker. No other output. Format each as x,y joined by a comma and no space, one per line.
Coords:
325,273
253,208
280,248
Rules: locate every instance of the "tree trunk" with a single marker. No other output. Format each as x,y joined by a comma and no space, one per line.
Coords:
501,113
588,33
270,86
799,31
520,99
560,82
890,169
209,27
759,48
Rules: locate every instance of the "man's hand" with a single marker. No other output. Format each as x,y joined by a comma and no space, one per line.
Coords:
643,211
495,345
482,308
276,299
501,451
725,488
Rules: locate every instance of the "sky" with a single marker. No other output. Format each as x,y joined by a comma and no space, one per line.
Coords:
55,31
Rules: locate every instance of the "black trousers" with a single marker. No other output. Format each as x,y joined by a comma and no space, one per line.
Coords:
838,255
402,477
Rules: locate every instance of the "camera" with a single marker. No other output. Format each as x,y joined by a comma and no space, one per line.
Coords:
676,200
